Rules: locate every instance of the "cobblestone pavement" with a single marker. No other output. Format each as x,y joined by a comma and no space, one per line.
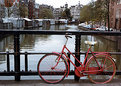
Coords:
116,82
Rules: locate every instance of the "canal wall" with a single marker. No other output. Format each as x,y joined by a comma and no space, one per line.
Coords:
111,38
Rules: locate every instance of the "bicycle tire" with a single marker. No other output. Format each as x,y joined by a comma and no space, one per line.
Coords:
107,65
46,63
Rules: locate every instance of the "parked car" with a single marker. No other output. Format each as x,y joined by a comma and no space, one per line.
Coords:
93,27
87,26
111,29
103,28
82,25
98,28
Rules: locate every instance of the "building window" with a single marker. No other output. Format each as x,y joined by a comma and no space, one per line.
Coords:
117,14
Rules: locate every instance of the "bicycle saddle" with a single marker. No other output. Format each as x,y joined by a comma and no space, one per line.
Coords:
92,43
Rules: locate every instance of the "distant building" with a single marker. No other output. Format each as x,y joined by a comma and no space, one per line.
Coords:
57,13
31,9
36,10
46,6
2,13
66,5
2,9
1,1
75,11
24,2
62,8
23,5
115,14
15,9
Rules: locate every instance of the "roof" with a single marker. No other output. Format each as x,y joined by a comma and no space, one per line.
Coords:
39,19
27,19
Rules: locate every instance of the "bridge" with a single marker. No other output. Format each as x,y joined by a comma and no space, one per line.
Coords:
17,73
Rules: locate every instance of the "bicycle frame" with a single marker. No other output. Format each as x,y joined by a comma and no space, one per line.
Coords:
63,54
82,67
82,64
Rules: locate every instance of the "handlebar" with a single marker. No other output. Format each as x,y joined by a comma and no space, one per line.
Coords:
67,35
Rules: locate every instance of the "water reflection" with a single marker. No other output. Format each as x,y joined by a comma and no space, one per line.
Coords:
103,45
49,43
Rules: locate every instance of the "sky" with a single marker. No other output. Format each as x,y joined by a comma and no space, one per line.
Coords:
58,3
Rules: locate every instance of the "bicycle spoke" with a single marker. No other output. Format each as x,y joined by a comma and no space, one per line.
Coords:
108,67
59,69
104,62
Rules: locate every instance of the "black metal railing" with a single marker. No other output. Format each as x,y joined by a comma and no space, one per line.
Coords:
17,73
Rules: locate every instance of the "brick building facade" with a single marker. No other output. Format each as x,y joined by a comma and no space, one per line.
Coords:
31,9
115,14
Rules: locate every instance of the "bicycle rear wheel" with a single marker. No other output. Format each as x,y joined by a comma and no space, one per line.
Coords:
104,74
48,72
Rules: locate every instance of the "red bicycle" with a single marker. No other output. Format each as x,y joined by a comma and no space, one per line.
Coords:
54,67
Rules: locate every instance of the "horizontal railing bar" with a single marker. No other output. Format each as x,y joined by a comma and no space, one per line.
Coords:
51,32
30,73
31,53
4,53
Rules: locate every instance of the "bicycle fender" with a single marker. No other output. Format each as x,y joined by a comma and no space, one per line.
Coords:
66,61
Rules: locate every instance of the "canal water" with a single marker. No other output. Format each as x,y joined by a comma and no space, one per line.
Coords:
50,43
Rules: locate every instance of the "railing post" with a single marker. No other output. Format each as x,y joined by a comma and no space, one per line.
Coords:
8,62
26,61
77,53
17,56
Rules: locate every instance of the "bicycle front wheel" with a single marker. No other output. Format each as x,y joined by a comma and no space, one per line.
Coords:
104,73
51,70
